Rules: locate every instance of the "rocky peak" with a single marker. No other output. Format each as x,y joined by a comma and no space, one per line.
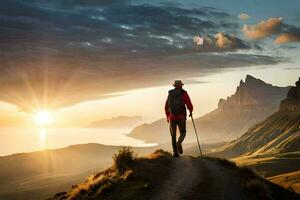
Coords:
292,101
252,86
253,92
251,81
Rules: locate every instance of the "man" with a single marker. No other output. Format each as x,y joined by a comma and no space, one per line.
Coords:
175,109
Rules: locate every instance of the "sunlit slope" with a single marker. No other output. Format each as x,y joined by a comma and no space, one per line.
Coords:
289,180
160,176
279,133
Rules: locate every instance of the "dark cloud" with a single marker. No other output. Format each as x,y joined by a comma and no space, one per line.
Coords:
58,53
78,3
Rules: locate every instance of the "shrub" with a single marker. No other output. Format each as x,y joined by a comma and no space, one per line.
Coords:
123,159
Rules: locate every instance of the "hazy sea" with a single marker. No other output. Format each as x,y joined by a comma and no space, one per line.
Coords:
17,140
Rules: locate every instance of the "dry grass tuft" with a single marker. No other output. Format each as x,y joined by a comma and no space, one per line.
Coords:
123,159
159,153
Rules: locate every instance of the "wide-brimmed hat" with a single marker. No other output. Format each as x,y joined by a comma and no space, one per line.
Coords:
178,83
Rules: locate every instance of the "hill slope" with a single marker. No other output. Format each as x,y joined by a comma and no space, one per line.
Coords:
279,133
160,176
252,102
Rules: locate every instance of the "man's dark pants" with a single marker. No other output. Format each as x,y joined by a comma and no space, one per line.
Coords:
181,124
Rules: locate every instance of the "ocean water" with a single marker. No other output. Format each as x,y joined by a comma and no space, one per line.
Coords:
17,140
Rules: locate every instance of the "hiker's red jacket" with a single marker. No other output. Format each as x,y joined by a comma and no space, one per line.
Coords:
187,101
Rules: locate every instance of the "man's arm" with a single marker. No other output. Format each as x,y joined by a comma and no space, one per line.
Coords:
188,102
167,110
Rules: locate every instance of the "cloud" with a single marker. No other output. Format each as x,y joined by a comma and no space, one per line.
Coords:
287,37
198,40
263,29
285,33
220,42
59,53
244,16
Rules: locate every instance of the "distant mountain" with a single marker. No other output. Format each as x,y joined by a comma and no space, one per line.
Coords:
160,176
279,133
252,102
117,122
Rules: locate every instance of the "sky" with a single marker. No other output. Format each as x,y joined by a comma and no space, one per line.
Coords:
86,60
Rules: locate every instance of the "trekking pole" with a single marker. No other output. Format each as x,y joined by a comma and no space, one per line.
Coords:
196,135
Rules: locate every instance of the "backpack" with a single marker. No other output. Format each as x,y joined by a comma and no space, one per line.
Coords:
175,102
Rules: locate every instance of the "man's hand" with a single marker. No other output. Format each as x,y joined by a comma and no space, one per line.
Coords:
191,114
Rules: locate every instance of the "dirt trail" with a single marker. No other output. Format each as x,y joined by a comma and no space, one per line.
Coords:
183,178
194,179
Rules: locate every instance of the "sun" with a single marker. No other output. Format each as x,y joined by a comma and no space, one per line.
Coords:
43,118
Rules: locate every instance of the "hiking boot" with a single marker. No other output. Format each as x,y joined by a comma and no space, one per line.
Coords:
179,148
176,155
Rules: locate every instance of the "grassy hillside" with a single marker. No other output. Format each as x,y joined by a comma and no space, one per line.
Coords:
268,165
279,133
290,181
160,176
